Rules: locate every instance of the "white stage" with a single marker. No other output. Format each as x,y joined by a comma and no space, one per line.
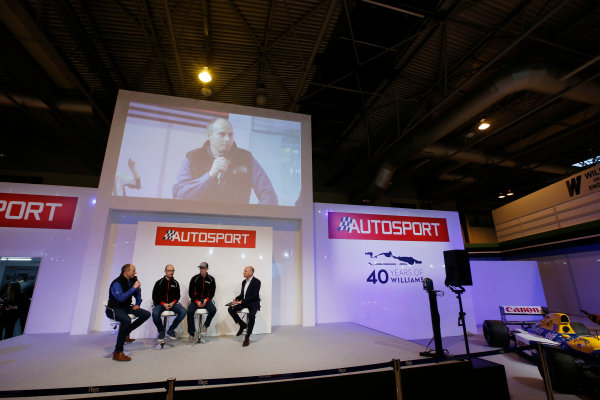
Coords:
60,360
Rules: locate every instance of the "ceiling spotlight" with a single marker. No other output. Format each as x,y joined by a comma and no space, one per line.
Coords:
509,193
501,196
483,125
261,95
205,76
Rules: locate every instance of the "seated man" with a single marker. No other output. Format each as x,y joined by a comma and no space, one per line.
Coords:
202,291
248,298
165,297
119,307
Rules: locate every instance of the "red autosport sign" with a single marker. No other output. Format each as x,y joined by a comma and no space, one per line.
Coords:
36,211
386,227
200,237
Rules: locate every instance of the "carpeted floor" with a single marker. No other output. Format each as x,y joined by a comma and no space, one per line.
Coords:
61,360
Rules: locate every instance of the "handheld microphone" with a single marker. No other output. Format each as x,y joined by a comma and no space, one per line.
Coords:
221,174
134,279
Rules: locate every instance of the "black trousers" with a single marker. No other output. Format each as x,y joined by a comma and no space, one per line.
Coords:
233,310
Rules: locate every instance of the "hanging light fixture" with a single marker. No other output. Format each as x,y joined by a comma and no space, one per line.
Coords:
483,125
501,195
205,76
509,193
261,95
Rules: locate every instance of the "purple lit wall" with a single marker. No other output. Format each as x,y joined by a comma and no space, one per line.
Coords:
377,283
507,283
61,252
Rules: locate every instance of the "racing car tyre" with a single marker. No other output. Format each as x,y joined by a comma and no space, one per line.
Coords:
563,372
580,329
496,333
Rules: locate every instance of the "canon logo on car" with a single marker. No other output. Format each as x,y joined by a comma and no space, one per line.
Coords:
523,310
36,211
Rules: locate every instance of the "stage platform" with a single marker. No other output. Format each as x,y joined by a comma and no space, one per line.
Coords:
62,361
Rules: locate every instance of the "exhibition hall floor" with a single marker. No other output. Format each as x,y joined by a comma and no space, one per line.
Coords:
60,360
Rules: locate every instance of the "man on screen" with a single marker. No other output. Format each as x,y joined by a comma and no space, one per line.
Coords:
219,171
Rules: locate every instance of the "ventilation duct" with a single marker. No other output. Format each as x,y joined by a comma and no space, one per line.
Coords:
530,77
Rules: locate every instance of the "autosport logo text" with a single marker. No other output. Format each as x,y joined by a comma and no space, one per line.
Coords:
199,237
386,227
37,211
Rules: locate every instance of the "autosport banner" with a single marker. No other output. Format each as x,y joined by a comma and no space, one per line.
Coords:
199,237
376,259
37,211
386,227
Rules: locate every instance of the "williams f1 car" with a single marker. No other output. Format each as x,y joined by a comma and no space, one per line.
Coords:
572,353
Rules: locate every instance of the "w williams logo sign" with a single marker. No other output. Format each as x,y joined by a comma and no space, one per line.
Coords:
387,227
588,181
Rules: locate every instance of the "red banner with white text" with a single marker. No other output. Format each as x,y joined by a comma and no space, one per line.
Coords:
178,236
386,227
37,211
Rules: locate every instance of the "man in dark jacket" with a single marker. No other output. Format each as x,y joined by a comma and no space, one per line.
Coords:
202,291
119,307
248,298
165,297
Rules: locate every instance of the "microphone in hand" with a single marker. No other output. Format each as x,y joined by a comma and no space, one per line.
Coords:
136,283
221,163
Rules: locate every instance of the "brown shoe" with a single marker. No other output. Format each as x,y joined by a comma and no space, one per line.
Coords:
121,357
128,339
243,326
246,341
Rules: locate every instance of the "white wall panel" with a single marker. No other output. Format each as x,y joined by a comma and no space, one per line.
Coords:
398,306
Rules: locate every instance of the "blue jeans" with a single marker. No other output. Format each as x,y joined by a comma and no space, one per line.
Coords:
158,309
192,307
125,324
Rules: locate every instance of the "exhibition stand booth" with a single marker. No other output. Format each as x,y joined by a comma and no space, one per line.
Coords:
346,290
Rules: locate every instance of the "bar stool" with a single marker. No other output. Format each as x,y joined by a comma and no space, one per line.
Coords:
199,316
165,316
243,313
115,324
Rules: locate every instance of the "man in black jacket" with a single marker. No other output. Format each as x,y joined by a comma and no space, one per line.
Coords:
119,307
202,291
165,297
248,298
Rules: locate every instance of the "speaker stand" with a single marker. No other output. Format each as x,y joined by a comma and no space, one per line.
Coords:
459,290
435,320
